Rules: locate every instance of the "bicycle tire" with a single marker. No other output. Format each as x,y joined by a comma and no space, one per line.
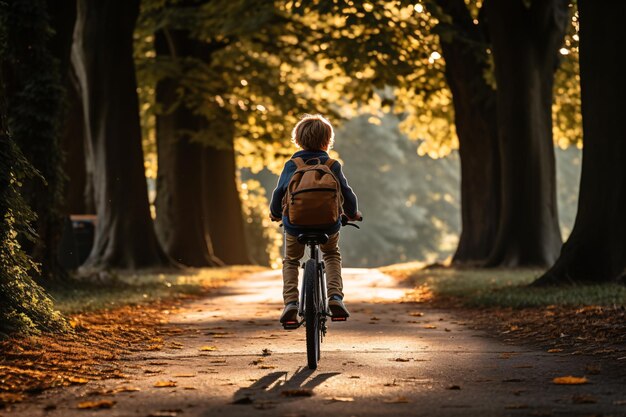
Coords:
311,314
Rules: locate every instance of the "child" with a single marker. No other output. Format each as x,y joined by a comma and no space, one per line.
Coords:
314,135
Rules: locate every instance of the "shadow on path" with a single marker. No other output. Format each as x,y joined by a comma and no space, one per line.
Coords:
266,391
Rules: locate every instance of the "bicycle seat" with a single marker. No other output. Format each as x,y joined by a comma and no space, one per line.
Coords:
312,238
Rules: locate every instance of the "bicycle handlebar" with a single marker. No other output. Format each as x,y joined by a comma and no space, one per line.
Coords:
345,221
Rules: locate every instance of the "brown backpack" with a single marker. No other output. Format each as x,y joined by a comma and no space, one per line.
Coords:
313,198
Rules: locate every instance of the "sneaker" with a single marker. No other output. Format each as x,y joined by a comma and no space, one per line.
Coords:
338,310
290,313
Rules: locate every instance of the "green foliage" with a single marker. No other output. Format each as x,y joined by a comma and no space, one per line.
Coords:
34,97
566,110
24,306
245,71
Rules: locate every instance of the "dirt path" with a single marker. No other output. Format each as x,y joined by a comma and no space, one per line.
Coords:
388,359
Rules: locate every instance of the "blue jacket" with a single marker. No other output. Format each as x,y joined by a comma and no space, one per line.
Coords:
349,198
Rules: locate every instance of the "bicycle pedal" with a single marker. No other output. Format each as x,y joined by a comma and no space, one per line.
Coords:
338,318
291,325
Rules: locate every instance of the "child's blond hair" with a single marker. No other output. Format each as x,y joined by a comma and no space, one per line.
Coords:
313,133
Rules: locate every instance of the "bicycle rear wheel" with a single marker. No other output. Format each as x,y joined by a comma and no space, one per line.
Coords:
311,314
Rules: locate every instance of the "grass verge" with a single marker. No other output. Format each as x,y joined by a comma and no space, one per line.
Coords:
498,288
141,288
571,320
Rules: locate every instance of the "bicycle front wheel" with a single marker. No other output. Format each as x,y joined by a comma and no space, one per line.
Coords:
311,298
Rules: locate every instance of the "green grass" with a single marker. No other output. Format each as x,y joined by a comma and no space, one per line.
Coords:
503,288
132,289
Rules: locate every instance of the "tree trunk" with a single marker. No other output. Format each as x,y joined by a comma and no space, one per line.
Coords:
475,119
525,52
103,58
223,206
596,250
79,190
181,219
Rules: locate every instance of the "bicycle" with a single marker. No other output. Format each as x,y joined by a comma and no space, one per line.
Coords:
313,308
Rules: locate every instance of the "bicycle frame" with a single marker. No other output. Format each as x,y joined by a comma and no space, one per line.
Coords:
314,253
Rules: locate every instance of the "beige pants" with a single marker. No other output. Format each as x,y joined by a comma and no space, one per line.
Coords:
294,251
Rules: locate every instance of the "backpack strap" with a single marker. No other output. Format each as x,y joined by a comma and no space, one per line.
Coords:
329,163
299,162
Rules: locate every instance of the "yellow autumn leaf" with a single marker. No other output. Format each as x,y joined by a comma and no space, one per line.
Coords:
430,326
570,380
124,389
95,404
165,384
207,348
77,380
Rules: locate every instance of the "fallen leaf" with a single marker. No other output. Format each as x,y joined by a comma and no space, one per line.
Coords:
354,377
184,375
430,326
401,360
397,400
297,393
416,314
556,350
164,384
267,367
570,380
9,398
454,387
341,399
153,371
266,352
124,389
85,405
76,380
207,348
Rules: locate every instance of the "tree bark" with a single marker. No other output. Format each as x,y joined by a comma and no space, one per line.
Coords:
181,219
223,206
596,250
79,190
464,50
525,52
103,58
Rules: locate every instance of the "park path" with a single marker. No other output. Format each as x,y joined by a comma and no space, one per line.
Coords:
390,358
